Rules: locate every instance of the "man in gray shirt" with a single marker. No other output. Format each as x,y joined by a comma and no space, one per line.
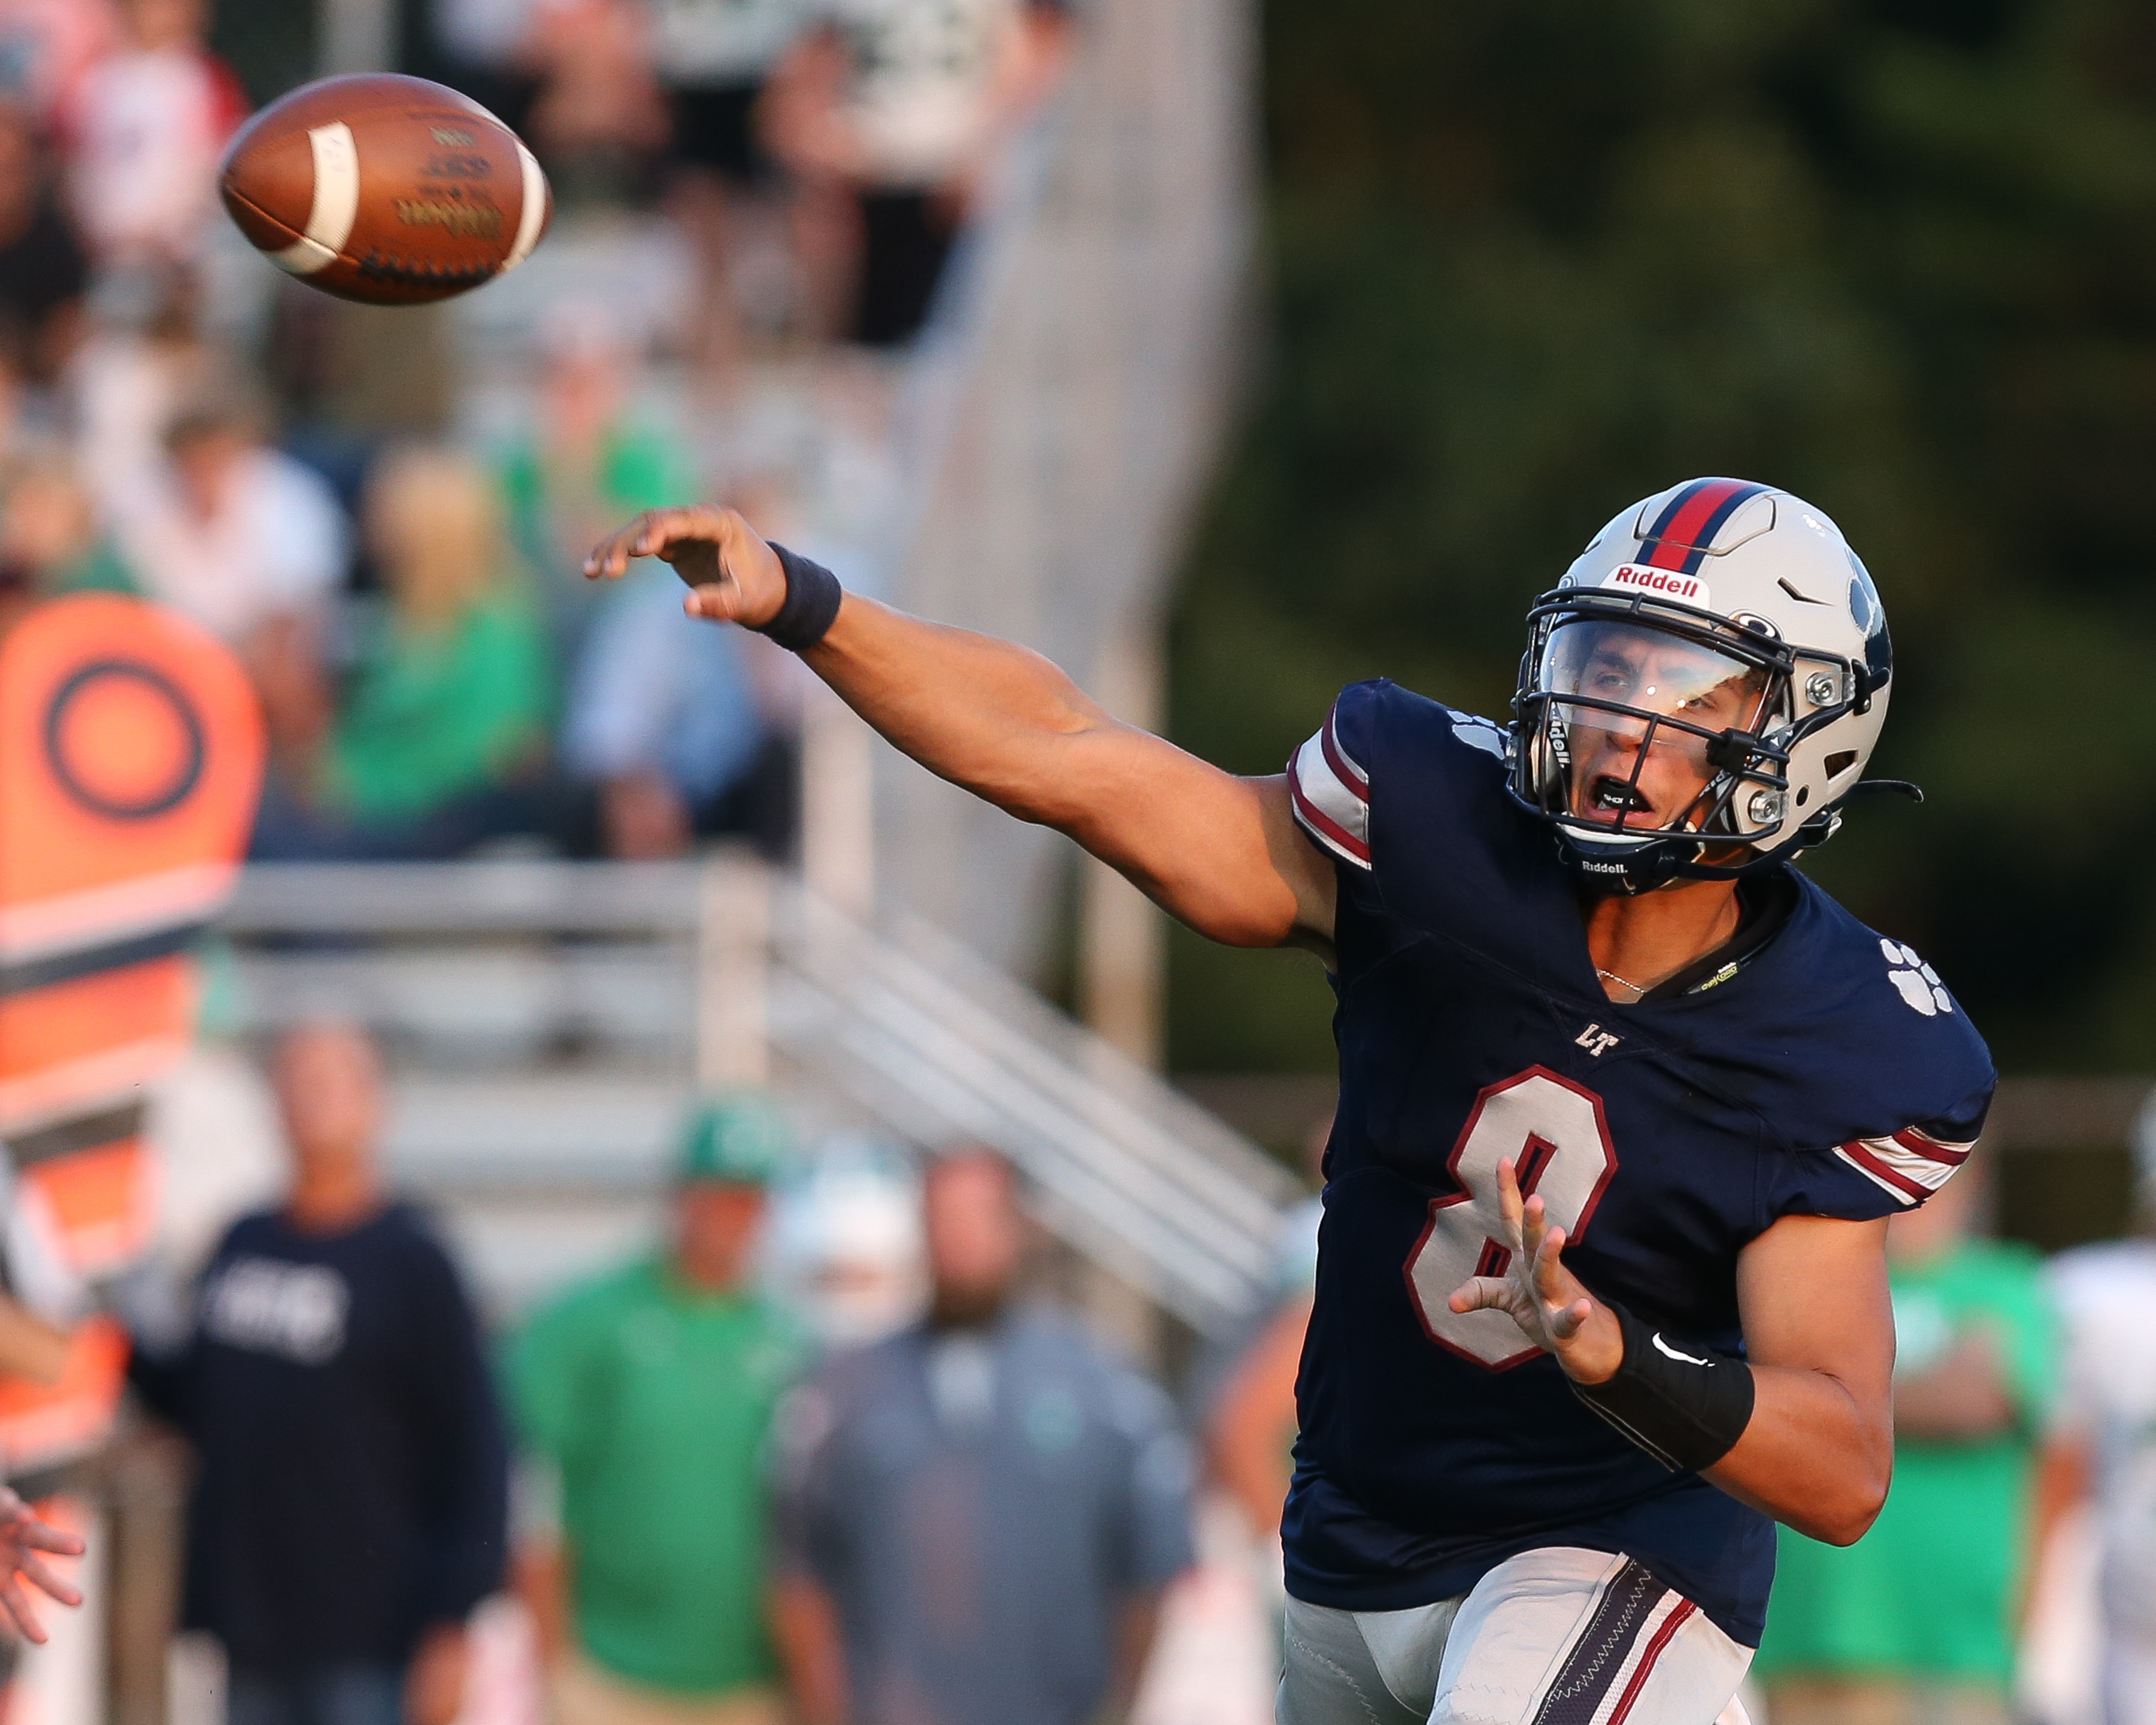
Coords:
975,1517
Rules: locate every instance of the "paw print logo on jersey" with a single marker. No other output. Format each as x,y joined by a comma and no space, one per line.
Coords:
1915,981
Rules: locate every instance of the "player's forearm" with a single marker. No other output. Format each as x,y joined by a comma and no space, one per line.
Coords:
996,718
1814,1455
1817,1450
1005,723
1797,1444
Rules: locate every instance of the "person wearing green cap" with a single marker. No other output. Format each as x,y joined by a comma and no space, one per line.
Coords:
648,1393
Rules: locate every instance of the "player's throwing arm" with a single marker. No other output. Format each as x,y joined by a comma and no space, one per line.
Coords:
1220,853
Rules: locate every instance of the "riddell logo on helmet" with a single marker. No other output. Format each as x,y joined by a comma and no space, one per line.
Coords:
1671,584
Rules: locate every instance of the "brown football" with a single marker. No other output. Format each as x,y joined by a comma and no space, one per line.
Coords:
383,189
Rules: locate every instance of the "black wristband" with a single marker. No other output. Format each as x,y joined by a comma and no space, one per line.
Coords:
812,593
1684,1405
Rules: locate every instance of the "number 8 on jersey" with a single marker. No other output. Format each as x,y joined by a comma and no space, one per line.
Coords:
1554,1132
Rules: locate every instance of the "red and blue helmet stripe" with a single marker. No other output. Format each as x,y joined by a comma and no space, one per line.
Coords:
1680,536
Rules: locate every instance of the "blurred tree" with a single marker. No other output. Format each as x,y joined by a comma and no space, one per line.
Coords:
1532,258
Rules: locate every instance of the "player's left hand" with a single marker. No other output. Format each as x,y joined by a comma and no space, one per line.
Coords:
1545,1300
731,575
23,1537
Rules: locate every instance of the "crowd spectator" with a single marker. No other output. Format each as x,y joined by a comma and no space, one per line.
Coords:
661,718
130,381
648,1393
714,58
44,274
1918,1620
979,1514
350,1502
596,116
2106,1452
238,537
588,461
25,427
440,735
1250,1437
888,113
49,540
451,694
145,128
1252,1422
228,530
46,45
477,46
845,1248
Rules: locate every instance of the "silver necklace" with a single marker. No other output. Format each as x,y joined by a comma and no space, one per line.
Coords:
1622,981
1625,982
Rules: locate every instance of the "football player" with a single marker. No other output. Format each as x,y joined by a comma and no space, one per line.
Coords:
1624,1102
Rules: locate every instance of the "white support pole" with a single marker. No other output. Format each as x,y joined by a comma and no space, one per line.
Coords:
838,804
733,972
358,35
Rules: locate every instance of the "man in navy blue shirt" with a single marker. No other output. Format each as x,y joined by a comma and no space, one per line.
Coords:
1625,1100
351,1501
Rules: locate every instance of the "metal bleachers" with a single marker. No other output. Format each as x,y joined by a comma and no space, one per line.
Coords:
548,1021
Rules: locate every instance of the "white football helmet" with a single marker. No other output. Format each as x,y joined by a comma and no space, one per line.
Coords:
1701,689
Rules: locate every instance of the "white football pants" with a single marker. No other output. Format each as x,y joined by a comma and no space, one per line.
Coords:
1559,1636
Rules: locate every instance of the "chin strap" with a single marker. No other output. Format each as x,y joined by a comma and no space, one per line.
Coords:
1655,870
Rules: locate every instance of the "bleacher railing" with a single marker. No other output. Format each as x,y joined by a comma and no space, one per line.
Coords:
555,1017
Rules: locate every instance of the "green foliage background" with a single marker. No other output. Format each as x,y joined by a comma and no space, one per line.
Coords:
1530,259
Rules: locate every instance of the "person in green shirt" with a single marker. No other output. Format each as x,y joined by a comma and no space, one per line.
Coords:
49,540
1916,1623
660,717
453,691
649,1393
438,738
582,460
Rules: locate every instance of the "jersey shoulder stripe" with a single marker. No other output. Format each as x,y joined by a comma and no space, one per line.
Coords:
1330,791
1909,1164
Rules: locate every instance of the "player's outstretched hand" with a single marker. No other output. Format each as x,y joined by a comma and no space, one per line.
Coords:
1545,1300
732,575
23,1537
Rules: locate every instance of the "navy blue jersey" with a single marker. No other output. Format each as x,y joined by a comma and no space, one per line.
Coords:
1831,1075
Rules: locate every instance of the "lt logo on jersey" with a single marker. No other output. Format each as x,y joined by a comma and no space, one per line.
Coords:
1596,1040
